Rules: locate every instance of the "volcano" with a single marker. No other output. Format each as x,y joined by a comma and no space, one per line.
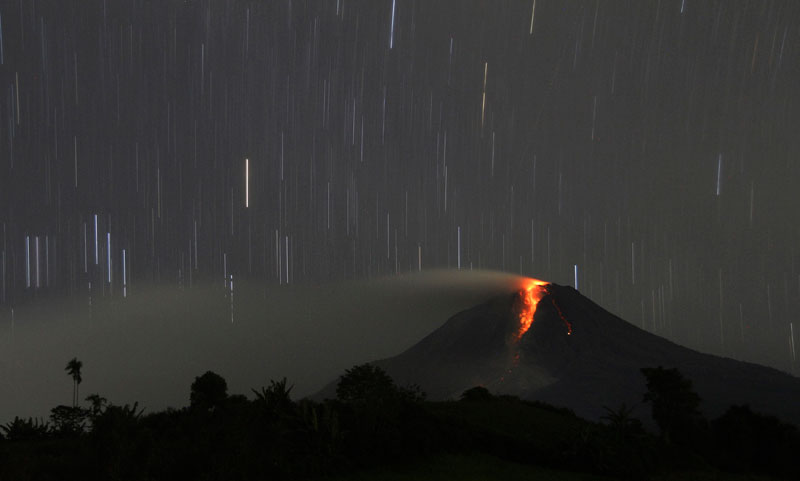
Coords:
550,343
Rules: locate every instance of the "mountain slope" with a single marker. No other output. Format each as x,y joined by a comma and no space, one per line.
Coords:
596,364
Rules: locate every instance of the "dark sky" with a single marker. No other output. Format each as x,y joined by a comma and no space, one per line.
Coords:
649,149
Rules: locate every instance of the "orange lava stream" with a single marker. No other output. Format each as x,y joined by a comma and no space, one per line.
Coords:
530,295
561,315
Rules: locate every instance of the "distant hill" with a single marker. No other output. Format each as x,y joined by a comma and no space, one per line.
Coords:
595,365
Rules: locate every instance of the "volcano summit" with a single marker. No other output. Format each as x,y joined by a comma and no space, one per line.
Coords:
550,343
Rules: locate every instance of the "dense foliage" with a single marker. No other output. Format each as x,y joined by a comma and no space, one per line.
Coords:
375,423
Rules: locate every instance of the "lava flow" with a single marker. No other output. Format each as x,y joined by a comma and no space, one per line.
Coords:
530,296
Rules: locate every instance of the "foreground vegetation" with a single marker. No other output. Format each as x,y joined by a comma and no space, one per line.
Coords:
377,430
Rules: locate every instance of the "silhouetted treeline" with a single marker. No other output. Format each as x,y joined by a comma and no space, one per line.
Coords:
373,422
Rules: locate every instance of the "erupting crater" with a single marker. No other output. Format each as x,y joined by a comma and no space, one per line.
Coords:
530,295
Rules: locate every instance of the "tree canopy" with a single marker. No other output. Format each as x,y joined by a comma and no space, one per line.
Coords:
208,392
675,405
365,382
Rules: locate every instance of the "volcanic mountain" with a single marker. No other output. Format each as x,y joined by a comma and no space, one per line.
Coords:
550,343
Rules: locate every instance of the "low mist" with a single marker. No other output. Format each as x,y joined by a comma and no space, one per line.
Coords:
149,347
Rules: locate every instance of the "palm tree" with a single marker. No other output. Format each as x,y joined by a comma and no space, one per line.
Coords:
276,396
74,369
620,419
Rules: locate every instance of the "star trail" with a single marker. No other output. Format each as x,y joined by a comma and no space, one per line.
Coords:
645,152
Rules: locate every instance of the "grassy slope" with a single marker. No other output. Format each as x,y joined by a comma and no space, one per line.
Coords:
465,468
489,468
518,419
540,426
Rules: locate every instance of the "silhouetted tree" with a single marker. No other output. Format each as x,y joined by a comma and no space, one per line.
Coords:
74,370
756,442
68,420
208,392
477,393
675,406
376,415
276,396
98,403
25,429
413,393
622,421
322,423
118,442
365,382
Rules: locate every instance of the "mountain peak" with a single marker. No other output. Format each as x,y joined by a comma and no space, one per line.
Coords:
549,342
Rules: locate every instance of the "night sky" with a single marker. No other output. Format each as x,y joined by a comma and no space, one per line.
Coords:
648,151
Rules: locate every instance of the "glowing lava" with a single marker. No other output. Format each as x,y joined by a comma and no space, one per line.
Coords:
530,295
